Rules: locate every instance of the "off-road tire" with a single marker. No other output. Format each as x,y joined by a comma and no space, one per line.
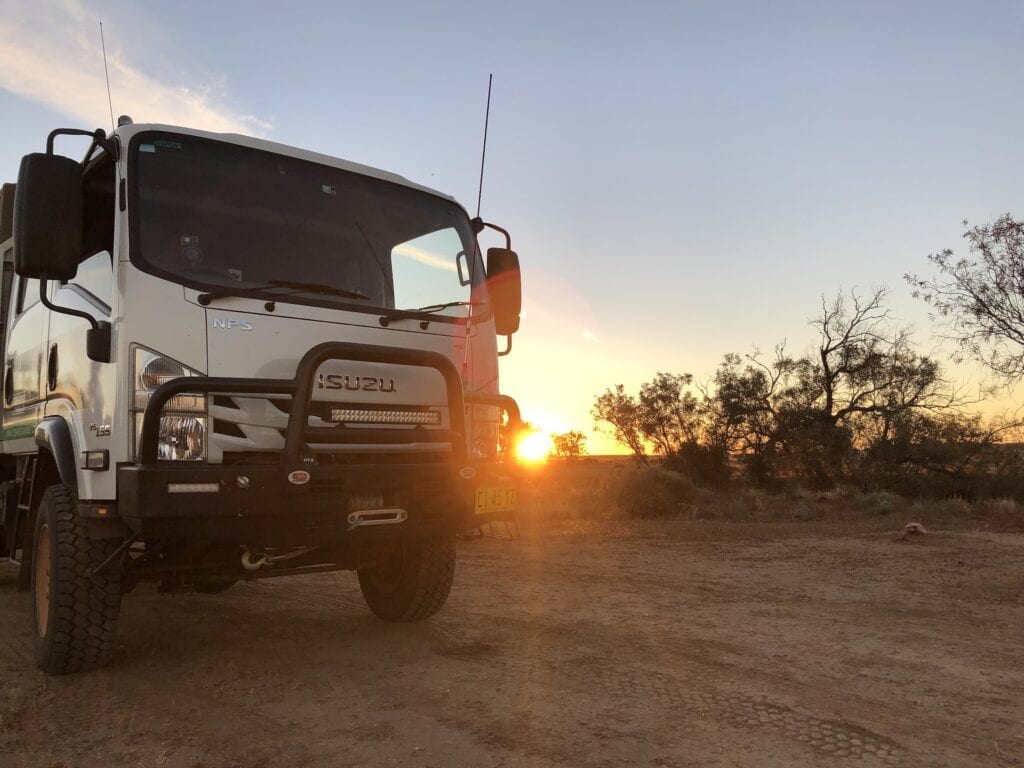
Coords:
414,584
74,612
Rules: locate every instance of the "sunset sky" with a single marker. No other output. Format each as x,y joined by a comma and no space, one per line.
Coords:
681,180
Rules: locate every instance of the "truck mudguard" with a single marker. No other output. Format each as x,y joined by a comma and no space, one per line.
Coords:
53,434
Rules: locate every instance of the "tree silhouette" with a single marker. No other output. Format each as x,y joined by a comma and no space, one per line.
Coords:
569,444
979,298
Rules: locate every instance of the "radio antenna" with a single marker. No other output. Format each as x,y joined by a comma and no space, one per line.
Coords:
106,73
483,154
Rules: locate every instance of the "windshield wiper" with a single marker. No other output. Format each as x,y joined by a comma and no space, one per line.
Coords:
423,313
220,293
295,286
431,308
324,288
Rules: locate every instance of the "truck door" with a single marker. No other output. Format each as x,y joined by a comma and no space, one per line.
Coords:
24,360
79,390
75,381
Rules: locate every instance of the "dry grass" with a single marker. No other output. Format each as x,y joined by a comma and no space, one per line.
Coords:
617,496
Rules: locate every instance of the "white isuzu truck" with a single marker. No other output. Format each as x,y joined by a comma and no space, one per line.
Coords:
226,358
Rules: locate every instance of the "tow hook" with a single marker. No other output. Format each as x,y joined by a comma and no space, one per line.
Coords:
252,561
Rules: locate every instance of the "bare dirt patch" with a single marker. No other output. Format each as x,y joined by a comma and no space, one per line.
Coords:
658,643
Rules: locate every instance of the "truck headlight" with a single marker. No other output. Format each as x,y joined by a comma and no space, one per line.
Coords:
182,438
483,432
183,422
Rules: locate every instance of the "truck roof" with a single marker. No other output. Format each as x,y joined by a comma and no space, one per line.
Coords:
125,132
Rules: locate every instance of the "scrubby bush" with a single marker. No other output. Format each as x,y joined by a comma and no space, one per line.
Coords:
706,465
863,408
880,502
570,444
746,504
648,491
955,506
1002,511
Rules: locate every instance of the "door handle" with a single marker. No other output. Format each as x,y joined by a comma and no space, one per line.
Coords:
51,368
9,382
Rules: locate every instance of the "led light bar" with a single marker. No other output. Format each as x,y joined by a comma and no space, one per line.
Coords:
193,487
366,416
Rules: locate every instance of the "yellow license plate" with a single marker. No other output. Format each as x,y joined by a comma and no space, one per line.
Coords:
490,499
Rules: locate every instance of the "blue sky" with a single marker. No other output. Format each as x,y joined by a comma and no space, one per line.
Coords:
681,179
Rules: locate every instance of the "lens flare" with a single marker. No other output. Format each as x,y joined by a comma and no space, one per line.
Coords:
534,448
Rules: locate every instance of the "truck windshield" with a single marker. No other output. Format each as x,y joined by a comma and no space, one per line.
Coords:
221,217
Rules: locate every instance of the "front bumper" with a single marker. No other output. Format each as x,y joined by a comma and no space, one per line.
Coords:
299,500
260,505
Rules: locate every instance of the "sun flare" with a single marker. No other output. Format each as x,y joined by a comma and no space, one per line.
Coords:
534,448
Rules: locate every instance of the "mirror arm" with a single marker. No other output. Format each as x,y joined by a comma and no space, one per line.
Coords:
108,144
478,225
99,138
63,310
97,338
508,346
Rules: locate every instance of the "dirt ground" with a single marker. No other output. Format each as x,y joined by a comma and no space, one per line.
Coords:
664,644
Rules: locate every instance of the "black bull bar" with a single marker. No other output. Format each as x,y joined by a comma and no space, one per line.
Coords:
299,433
231,513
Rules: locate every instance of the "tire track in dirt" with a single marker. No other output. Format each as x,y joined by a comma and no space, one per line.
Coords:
856,592
560,655
701,690
696,692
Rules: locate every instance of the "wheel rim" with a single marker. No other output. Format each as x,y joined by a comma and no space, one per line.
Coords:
42,584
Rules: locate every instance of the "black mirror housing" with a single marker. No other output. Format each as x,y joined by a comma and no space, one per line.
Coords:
97,342
504,283
48,204
6,212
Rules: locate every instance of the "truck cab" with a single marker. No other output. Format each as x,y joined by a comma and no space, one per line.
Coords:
229,359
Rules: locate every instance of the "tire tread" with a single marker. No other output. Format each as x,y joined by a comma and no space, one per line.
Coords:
82,627
425,589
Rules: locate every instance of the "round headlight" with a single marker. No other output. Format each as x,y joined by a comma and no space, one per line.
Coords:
182,438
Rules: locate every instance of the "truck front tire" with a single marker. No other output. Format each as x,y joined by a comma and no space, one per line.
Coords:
74,611
412,581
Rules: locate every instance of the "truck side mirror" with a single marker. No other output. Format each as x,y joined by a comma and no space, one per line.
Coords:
48,204
6,212
505,285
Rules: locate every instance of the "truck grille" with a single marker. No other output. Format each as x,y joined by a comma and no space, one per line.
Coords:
243,425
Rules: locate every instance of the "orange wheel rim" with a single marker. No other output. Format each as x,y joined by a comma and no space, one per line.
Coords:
42,585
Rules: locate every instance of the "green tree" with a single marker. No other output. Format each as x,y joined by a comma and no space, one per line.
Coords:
569,444
670,415
979,298
664,416
805,413
620,412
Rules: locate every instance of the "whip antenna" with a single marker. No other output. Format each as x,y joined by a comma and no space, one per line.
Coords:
483,154
106,73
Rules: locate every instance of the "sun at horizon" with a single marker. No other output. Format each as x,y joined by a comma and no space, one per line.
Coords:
534,448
